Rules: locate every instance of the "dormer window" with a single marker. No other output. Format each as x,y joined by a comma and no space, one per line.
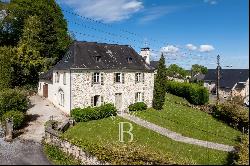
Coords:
98,58
129,60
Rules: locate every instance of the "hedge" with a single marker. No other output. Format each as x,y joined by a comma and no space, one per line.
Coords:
139,106
194,93
18,118
93,113
232,114
13,100
241,157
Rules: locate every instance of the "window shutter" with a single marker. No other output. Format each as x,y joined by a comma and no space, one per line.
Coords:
102,81
135,97
114,77
92,80
102,100
92,101
123,78
142,77
135,77
142,97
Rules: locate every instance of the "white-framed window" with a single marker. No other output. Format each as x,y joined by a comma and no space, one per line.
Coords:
97,100
96,78
61,98
119,77
139,77
64,78
57,77
139,97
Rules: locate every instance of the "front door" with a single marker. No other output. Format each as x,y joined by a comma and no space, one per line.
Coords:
45,90
118,102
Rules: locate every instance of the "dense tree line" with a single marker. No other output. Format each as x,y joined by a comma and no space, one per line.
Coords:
33,37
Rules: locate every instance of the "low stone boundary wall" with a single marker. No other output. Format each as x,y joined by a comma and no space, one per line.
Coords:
52,138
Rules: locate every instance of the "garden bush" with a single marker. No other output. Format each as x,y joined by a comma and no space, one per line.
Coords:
13,100
241,157
139,106
195,94
18,118
93,113
233,114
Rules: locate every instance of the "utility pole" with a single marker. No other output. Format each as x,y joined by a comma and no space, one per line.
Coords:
218,79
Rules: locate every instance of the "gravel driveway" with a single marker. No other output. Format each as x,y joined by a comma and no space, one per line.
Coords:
26,149
40,111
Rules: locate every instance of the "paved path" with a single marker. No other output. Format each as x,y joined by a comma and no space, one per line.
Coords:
39,112
176,136
20,152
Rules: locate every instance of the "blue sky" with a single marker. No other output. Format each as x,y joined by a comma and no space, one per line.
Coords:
186,31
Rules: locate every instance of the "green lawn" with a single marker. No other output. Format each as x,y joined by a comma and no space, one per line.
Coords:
190,122
105,134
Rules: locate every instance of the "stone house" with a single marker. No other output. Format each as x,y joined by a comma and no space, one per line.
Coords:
91,74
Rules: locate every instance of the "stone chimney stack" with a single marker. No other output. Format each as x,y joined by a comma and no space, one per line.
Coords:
145,53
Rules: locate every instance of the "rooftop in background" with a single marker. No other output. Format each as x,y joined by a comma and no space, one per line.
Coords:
100,56
229,77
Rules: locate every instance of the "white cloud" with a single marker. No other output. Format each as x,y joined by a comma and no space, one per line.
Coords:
191,47
170,49
105,10
206,48
211,2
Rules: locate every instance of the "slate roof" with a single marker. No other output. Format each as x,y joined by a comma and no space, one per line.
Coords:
81,55
154,64
229,77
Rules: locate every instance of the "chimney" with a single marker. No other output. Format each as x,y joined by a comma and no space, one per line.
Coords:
145,53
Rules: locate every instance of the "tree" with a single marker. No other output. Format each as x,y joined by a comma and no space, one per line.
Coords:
159,85
5,67
53,26
176,71
198,69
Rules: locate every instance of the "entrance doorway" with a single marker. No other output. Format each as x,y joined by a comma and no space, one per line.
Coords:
45,90
118,102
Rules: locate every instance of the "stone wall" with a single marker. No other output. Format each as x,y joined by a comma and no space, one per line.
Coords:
82,89
52,138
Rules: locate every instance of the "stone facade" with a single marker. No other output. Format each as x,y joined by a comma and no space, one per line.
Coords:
79,90
83,90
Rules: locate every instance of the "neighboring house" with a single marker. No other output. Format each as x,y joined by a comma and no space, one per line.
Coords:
94,73
233,82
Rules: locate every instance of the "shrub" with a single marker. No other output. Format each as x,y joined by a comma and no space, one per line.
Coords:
58,157
194,93
139,106
233,114
13,100
18,118
93,113
241,157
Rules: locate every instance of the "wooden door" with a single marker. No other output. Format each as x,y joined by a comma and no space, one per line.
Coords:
45,90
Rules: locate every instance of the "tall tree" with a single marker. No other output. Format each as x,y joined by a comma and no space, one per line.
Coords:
54,26
176,71
198,69
5,67
159,85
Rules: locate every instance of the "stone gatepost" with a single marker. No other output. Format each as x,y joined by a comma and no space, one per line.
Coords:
9,129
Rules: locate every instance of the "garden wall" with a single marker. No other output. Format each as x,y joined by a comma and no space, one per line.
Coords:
52,138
